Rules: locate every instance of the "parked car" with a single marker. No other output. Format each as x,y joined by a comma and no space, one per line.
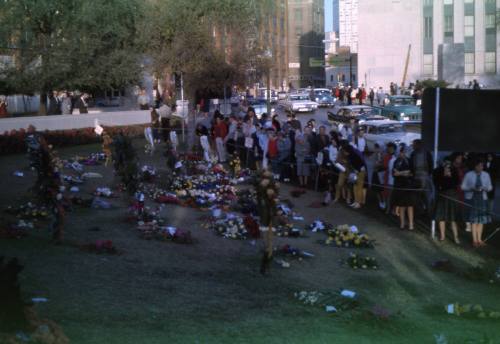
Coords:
345,113
263,94
260,107
281,95
385,131
323,96
299,102
401,108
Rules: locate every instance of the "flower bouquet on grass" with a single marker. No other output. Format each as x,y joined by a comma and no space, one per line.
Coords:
349,237
235,166
293,252
165,233
103,192
287,230
330,302
28,211
471,311
356,261
148,174
320,226
245,202
232,228
100,247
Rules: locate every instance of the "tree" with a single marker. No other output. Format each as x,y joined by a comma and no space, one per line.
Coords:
205,40
69,44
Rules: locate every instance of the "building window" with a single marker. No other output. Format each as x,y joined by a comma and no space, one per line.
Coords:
490,63
298,15
469,26
469,63
448,24
298,31
331,78
428,2
448,2
428,27
469,1
428,64
490,21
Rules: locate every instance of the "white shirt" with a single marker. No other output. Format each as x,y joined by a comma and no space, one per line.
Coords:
333,152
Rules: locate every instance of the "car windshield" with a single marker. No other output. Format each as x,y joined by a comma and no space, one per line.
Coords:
391,128
299,97
357,112
254,102
322,93
402,101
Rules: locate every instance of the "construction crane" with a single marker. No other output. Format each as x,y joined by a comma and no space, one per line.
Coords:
406,67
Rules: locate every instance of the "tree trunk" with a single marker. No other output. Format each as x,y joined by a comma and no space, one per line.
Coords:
43,104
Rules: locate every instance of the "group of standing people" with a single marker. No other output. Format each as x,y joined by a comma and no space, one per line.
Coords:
466,191
64,103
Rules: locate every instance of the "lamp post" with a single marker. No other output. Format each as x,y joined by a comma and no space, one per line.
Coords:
268,55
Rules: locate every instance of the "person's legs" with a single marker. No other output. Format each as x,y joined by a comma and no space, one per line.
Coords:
454,229
410,218
480,234
358,190
474,235
340,185
442,230
402,212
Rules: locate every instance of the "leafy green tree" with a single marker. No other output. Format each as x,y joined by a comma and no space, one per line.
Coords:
189,36
70,44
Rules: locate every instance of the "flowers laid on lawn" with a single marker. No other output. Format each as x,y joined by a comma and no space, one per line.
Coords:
288,230
356,261
28,211
348,236
468,310
148,174
232,227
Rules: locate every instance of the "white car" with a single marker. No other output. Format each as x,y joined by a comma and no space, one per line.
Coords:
385,131
299,102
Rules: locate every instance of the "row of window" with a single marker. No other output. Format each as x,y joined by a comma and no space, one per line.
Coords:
470,61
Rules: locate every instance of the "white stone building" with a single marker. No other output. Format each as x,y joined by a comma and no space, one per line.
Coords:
454,40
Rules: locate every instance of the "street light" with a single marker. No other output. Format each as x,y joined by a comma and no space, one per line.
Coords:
268,54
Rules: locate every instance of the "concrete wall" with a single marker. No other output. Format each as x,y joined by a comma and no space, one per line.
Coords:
386,29
63,122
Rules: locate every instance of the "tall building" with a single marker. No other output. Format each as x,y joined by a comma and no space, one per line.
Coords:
272,37
342,69
306,26
453,40
348,24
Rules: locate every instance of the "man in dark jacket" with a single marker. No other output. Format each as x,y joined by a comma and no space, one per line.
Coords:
421,168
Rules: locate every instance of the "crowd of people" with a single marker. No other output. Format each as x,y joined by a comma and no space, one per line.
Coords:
402,178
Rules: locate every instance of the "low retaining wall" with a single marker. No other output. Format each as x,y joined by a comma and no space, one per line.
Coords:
76,121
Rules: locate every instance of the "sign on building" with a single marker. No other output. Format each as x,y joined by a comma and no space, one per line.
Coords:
316,62
293,65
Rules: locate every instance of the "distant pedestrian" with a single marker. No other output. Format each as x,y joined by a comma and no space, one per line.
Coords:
371,96
3,107
143,100
475,85
81,104
66,106
403,196
380,96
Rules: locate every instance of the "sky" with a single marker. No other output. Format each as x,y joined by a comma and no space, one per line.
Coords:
328,15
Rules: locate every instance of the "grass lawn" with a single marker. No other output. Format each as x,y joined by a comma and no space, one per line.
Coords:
212,292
